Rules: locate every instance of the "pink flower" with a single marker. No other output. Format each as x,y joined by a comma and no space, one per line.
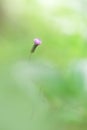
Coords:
37,41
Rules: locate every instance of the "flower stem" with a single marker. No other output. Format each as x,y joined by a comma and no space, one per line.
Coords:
33,48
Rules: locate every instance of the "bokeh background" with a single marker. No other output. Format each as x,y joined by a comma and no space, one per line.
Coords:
48,89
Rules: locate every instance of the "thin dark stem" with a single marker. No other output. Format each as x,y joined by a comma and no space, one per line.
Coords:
33,48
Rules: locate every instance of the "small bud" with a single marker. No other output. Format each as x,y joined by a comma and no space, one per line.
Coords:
36,43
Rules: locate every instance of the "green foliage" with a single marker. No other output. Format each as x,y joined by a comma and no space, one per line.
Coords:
43,92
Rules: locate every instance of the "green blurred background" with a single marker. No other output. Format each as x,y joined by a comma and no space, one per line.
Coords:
46,90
